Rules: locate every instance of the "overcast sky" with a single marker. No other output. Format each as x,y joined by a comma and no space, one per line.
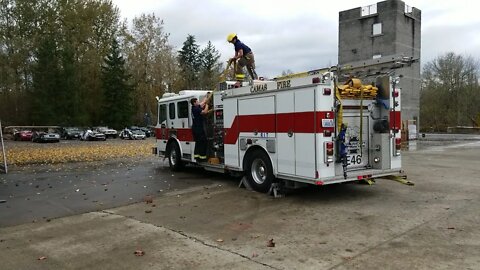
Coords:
300,35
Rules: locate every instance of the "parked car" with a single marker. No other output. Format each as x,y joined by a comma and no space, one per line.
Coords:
90,135
22,135
45,136
69,133
109,133
148,132
135,134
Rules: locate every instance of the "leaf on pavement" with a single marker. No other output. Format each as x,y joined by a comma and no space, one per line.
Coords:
139,252
270,243
148,199
82,151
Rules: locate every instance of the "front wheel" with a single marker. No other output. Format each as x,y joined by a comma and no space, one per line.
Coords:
259,171
174,157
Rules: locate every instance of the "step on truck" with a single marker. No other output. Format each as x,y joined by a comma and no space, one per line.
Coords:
306,128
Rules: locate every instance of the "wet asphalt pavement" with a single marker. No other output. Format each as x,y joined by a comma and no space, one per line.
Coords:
38,193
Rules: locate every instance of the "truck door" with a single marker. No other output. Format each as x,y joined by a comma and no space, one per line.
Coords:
178,124
184,132
162,130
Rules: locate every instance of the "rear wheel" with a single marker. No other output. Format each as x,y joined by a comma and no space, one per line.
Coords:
174,157
259,171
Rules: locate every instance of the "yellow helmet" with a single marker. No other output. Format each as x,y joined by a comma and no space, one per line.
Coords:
231,36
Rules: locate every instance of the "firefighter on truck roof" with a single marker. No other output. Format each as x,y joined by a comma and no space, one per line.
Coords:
199,109
243,57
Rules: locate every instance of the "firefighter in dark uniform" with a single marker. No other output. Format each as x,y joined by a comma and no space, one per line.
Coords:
243,57
199,110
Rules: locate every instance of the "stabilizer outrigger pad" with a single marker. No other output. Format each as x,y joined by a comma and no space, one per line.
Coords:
401,179
275,189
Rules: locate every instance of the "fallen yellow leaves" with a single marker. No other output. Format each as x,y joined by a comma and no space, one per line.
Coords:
87,151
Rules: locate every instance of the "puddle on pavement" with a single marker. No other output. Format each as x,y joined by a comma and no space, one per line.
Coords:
416,145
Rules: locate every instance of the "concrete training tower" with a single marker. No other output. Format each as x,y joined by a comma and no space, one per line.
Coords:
378,33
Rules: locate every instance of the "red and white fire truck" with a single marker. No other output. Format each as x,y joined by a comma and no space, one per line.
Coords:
306,128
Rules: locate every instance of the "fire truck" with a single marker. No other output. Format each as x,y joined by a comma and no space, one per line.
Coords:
292,131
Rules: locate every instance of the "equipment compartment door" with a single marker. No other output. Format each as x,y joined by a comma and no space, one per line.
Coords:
285,133
305,161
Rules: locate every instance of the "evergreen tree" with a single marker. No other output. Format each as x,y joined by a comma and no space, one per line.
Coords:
118,105
67,103
210,67
46,78
189,60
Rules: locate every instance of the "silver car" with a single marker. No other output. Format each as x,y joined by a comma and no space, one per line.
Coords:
132,134
42,136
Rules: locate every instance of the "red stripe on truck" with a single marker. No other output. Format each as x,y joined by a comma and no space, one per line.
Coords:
183,134
299,122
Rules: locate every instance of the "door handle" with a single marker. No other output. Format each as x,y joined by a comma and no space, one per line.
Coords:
290,133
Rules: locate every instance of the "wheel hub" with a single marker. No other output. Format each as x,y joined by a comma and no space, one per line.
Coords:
173,157
259,171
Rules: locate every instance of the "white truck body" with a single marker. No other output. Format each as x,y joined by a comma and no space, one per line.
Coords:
294,121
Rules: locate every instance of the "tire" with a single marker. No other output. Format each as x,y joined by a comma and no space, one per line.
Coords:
259,171
174,158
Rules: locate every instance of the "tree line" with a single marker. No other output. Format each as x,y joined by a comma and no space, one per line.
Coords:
74,62
450,94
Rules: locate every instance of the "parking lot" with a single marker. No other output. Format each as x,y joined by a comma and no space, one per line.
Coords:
200,220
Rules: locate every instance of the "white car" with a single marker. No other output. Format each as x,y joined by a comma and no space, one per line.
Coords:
89,135
132,134
109,133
